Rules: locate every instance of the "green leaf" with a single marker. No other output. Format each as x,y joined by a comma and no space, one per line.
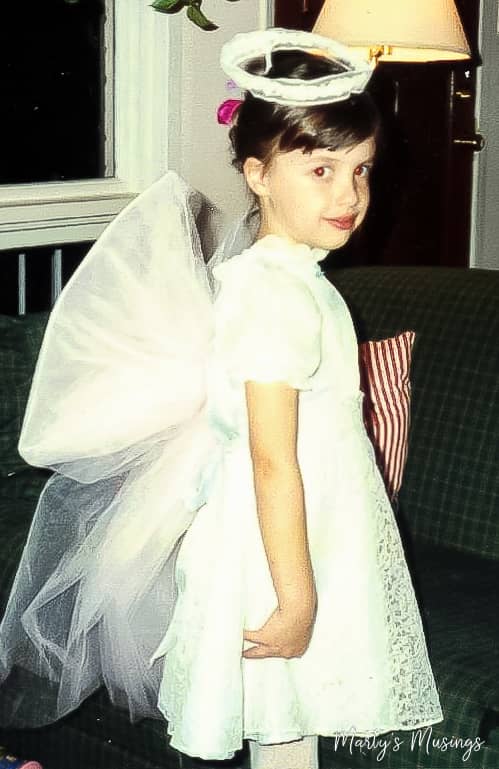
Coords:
195,14
168,6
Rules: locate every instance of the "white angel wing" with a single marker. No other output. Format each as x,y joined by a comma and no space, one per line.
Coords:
122,360
117,409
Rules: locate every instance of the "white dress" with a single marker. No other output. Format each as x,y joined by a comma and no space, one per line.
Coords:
366,670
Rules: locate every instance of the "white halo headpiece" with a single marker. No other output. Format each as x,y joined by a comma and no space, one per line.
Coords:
245,46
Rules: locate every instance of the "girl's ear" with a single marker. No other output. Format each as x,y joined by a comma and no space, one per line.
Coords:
254,173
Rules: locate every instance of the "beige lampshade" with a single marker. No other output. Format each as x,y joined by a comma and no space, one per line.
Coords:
417,30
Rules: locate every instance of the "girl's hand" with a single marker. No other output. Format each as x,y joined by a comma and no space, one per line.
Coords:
286,633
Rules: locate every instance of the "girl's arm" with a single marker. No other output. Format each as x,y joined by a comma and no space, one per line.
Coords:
273,422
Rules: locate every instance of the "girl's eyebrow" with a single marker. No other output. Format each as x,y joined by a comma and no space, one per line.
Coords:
329,159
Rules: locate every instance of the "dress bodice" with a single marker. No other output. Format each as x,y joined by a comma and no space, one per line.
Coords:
278,288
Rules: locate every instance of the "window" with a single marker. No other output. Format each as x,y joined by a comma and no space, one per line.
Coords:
56,60
137,108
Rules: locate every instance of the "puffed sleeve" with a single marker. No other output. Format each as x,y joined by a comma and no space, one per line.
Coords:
267,324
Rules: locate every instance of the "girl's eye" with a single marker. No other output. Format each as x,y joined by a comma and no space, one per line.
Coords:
363,170
320,171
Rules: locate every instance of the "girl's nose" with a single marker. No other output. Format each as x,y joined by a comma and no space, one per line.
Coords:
346,193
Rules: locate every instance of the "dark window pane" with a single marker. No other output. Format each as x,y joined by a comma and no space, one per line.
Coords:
52,90
38,278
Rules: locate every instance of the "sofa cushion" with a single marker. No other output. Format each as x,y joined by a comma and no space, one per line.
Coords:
450,490
20,342
15,520
459,595
97,735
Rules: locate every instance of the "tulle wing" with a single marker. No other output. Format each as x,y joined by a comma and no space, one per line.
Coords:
122,361
117,410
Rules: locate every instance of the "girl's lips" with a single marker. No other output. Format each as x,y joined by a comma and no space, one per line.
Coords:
344,223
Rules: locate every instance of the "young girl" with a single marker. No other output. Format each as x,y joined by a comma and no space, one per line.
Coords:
223,533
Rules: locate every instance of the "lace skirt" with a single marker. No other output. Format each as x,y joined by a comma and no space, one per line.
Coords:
366,670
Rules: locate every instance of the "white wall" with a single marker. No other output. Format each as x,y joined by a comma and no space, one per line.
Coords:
198,145
486,219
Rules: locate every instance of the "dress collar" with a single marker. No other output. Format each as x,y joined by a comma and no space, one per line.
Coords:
282,249
278,251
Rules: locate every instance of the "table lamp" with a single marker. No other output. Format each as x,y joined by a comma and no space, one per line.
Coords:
396,30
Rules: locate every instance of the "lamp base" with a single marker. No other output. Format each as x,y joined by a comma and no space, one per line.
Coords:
377,51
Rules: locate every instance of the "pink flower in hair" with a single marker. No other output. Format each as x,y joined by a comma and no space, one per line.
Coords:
226,110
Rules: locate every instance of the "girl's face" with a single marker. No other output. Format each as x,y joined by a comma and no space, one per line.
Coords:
316,198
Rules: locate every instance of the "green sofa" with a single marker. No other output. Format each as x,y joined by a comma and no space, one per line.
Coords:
448,512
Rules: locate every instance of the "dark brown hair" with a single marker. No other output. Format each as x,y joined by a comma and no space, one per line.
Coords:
261,128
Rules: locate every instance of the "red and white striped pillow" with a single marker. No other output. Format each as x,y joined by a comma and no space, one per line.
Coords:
384,378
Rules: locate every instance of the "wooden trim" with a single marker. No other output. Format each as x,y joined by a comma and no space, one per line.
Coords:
35,215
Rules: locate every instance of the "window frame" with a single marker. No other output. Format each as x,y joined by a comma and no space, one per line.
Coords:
145,117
